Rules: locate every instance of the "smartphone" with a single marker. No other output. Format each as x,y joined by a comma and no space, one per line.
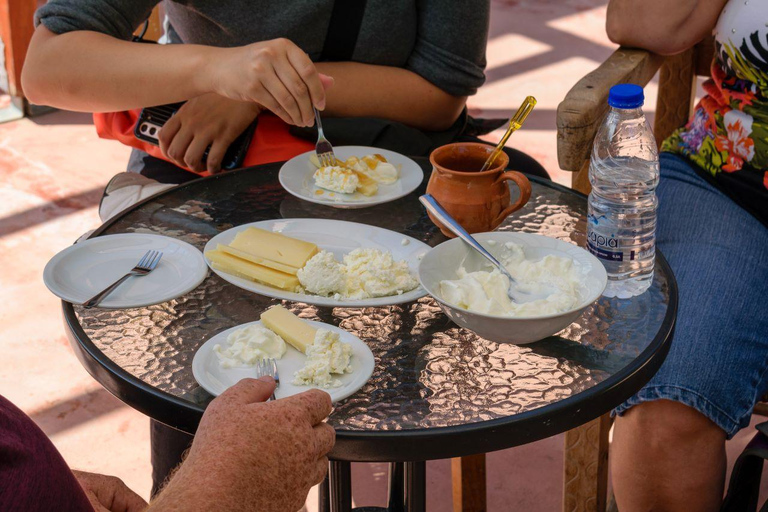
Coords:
152,119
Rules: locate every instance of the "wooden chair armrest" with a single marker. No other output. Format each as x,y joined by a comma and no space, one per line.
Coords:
579,115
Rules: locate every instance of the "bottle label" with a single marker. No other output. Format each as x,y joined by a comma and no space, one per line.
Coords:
604,254
606,247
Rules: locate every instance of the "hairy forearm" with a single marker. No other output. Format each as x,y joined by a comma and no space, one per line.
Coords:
661,26
190,490
93,72
366,90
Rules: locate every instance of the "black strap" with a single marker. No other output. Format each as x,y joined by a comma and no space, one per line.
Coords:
343,29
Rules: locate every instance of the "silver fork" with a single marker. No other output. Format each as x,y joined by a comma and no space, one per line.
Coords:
145,265
267,367
323,148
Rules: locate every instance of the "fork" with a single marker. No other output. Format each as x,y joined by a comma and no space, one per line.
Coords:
145,265
323,148
267,367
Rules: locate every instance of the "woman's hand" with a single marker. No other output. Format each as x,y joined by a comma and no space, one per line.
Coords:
208,120
276,74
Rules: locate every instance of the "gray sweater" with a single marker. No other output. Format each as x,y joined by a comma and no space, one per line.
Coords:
441,40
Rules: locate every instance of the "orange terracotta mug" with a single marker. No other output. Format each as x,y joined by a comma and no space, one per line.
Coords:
479,201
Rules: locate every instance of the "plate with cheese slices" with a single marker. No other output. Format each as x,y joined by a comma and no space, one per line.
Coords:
363,176
320,261
308,354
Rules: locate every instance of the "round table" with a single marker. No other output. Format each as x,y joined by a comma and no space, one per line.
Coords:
437,391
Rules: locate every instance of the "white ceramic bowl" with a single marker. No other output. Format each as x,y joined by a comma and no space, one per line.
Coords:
442,262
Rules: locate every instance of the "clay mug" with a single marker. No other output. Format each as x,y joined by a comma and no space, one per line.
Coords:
479,201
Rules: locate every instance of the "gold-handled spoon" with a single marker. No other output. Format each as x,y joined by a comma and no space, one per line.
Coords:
514,124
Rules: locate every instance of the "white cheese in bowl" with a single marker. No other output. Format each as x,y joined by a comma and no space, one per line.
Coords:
486,291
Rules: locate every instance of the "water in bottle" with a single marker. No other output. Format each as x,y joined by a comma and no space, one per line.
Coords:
624,173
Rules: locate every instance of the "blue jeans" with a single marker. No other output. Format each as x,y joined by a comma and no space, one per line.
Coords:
718,360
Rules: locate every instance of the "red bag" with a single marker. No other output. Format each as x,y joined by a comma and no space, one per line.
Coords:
271,141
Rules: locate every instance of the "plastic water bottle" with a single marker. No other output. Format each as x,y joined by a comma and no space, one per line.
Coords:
624,173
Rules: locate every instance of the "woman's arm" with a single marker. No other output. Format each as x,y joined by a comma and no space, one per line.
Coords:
366,90
94,72
662,26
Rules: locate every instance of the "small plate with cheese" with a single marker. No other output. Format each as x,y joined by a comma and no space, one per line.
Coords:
365,176
308,354
320,261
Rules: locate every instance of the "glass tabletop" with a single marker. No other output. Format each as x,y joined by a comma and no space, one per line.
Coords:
430,374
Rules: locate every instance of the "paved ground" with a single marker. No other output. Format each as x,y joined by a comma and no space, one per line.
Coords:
52,169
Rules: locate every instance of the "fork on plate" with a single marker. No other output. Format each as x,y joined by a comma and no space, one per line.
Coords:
267,367
145,265
323,148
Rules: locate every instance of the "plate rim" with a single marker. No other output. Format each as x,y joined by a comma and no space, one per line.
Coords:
367,370
318,300
281,177
49,269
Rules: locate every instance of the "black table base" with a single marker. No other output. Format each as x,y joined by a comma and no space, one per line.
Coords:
407,488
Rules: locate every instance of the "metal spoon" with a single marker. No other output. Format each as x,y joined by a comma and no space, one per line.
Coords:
513,292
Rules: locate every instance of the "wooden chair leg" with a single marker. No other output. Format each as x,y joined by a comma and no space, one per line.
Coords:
586,467
469,484
580,180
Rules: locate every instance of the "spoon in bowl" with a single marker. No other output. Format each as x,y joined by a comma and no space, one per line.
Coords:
514,293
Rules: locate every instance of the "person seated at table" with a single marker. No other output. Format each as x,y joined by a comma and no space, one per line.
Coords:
404,74
247,455
668,448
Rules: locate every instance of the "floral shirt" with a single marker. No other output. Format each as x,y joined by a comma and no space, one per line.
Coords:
727,137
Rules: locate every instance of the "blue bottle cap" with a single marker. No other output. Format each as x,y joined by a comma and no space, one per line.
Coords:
626,96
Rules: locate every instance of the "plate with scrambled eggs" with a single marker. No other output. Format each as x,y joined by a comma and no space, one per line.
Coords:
363,176
320,261
308,354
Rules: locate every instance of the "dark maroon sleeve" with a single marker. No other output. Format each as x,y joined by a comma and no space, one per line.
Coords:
33,475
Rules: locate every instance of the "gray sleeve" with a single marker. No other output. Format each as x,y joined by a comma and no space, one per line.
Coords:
117,18
450,45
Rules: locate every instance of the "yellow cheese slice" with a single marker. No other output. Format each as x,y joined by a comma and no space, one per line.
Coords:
274,246
299,333
259,261
247,270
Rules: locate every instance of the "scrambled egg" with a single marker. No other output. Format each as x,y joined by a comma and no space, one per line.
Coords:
365,273
326,356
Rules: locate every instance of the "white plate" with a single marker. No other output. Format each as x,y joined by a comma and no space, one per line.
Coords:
215,379
339,237
296,178
82,270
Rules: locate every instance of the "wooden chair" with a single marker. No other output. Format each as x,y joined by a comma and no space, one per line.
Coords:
578,118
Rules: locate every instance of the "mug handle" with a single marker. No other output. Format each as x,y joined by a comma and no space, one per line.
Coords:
525,193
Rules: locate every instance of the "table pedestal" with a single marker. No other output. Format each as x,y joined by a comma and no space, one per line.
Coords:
407,488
